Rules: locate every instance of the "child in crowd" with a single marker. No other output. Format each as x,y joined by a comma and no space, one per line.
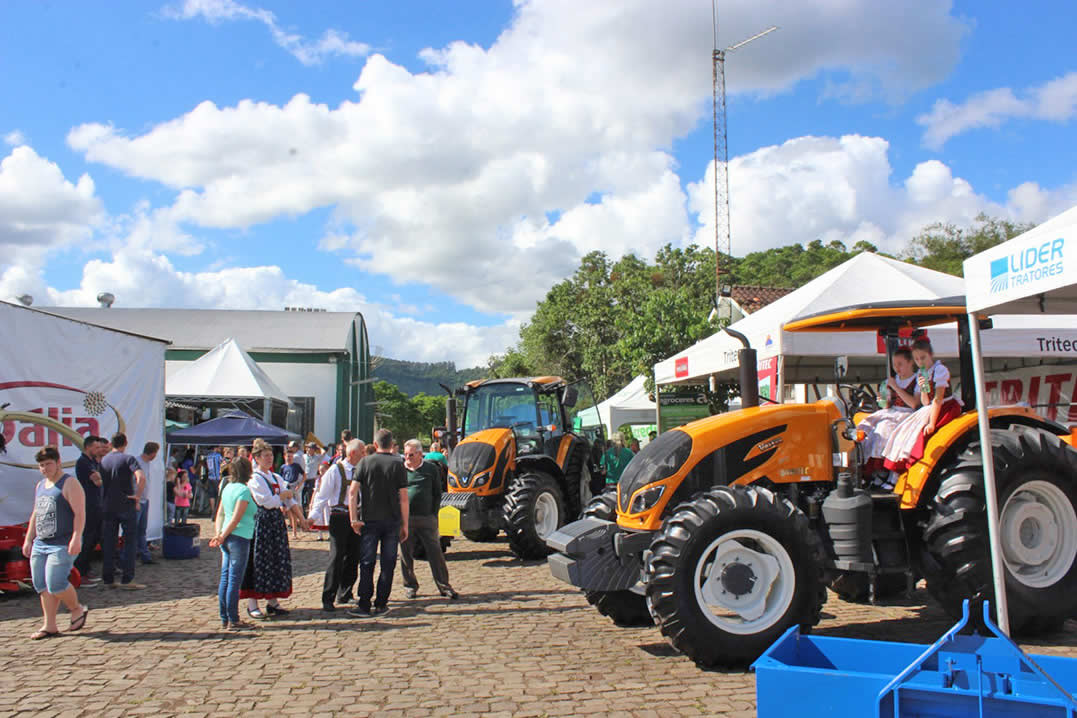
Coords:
292,473
320,521
906,445
170,495
184,492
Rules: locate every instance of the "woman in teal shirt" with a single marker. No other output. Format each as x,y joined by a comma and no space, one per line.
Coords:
236,514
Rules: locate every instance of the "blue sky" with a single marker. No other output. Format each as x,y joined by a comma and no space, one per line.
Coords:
453,161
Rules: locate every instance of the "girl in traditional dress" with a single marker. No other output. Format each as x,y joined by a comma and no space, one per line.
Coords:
901,400
269,568
906,445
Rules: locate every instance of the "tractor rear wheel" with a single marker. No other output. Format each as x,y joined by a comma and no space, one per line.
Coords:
1036,475
730,571
627,607
534,509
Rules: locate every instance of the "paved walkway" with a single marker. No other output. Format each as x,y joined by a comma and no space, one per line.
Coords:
518,643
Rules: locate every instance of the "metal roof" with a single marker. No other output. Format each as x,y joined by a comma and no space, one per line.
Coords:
203,329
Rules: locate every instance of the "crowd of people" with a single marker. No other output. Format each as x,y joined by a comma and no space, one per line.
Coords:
376,504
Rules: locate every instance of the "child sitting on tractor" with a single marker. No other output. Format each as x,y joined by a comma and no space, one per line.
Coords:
901,400
906,445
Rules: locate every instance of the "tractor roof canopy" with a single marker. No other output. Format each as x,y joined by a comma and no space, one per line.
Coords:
541,383
883,317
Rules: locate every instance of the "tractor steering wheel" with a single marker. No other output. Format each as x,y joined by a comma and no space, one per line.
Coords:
861,397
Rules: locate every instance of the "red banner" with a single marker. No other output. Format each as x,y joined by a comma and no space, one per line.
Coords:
680,368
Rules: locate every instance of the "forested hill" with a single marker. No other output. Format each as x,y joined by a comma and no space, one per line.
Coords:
413,377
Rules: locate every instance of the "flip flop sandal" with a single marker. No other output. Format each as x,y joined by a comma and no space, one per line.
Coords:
42,633
79,622
256,614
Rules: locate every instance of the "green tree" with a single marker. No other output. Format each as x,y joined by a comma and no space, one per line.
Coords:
944,246
396,412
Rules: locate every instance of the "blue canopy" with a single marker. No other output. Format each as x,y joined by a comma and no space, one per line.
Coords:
234,428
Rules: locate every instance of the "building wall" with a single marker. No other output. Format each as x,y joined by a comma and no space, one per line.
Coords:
301,379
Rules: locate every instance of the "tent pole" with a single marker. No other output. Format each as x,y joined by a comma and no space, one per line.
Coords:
998,568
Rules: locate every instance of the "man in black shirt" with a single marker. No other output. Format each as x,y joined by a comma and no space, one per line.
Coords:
378,509
124,484
88,472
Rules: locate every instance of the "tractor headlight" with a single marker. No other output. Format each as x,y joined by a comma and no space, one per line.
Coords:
481,479
646,499
452,479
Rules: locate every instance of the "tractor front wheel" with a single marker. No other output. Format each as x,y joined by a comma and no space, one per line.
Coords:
627,607
730,571
534,509
1035,473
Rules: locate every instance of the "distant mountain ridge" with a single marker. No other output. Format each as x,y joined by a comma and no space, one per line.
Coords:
414,377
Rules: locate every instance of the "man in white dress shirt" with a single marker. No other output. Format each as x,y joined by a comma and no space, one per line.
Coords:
343,566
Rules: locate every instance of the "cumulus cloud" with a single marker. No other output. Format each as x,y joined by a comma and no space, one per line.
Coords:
842,189
487,164
333,42
1054,101
141,278
41,209
15,138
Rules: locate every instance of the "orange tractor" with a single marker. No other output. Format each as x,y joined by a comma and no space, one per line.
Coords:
726,531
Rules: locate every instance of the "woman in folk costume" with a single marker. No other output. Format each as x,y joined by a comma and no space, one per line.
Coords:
901,400
269,568
906,445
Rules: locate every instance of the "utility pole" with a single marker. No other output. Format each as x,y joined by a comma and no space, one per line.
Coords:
722,239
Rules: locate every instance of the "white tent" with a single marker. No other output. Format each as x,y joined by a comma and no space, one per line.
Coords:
807,357
1035,273
630,405
226,373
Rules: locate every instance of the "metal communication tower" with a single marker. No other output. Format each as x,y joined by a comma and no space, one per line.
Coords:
722,237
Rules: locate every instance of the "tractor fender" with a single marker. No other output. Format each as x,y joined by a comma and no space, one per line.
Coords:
542,463
953,437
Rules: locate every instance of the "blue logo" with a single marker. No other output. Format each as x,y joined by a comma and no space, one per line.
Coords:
1000,274
1028,265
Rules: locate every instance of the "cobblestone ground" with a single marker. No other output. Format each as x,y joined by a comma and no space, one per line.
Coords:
517,643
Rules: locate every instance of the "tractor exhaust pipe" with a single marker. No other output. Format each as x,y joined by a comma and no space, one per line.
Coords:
450,417
749,371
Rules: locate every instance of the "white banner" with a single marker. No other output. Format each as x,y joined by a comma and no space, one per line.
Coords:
1050,390
62,380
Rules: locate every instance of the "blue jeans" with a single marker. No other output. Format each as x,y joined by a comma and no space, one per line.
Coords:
387,534
234,553
110,533
143,516
50,567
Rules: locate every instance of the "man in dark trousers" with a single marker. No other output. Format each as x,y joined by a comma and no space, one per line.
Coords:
343,542
378,509
424,501
88,472
124,484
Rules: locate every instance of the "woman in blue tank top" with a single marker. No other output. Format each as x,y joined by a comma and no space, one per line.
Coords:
54,540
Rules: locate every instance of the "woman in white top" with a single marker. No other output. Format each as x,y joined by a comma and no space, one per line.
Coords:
269,568
901,400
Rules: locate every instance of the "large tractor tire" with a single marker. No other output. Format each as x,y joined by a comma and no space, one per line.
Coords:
534,509
1036,476
577,482
730,571
484,534
628,607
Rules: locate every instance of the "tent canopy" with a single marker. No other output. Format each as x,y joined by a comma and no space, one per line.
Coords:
807,357
234,428
225,372
630,405
1033,273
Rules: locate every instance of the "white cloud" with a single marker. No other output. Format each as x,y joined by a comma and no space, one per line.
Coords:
454,172
15,138
842,189
1055,101
333,42
141,278
39,208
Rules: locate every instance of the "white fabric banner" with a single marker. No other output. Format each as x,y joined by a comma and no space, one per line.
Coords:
1050,390
62,380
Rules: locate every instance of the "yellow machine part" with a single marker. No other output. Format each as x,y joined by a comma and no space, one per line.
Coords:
449,521
911,484
499,439
801,452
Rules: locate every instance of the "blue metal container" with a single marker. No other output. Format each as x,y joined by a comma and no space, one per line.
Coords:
807,676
